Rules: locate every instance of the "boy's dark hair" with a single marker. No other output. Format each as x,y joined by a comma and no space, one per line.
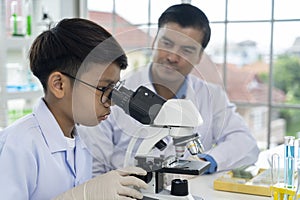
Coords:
71,42
187,15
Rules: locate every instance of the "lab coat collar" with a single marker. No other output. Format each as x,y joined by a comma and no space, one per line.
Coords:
51,130
180,94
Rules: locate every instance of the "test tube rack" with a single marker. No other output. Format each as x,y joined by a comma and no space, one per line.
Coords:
279,192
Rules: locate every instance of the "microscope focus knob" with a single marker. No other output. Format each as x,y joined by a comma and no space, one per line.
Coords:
147,178
179,187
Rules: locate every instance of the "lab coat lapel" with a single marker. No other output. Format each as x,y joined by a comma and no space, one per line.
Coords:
82,160
50,129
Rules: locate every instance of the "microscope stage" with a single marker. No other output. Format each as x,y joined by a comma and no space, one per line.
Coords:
187,167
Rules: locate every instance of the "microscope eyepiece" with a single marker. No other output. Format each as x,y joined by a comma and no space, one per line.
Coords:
143,104
121,97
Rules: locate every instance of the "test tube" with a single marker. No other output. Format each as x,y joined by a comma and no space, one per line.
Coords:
275,169
289,158
14,17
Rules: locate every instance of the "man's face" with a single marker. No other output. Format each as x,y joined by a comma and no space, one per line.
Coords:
175,51
87,106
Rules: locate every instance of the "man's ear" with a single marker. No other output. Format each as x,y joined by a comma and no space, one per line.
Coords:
200,56
57,84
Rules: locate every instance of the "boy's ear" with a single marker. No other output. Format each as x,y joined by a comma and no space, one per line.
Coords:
57,84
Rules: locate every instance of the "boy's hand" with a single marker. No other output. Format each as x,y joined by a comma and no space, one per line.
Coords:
115,184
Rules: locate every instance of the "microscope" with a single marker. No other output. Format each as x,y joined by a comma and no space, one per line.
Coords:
175,118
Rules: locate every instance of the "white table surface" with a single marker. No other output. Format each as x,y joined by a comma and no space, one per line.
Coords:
202,186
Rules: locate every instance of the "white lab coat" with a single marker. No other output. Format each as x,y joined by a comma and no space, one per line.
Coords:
34,158
224,134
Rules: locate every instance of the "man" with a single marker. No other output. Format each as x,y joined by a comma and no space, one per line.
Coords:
183,33
41,155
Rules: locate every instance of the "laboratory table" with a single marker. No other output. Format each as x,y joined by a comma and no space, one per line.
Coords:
202,186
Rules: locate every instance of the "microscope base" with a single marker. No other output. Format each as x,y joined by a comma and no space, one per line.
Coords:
165,195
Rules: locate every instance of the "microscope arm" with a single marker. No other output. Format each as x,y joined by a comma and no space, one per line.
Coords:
147,144
176,118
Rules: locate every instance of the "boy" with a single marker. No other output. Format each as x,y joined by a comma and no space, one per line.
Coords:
41,155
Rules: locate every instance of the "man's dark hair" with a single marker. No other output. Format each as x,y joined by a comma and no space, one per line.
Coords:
71,42
187,15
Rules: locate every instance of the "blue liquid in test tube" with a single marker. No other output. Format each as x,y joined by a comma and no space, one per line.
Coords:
289,159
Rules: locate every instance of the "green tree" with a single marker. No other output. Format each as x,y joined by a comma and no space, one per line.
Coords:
287,78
